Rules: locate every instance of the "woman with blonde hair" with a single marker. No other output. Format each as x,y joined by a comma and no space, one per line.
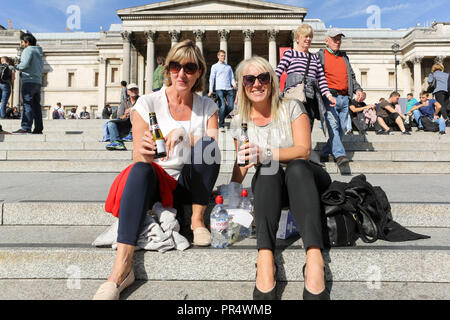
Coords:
440,92
279,148
189,124
302,67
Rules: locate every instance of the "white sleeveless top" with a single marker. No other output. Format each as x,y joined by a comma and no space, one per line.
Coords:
202,110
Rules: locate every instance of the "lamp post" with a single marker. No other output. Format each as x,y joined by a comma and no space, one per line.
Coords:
396,49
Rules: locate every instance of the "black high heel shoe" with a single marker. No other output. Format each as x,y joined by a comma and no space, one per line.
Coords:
324,295
271,295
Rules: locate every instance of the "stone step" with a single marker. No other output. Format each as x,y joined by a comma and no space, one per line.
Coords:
93,214
74,289
116,166
426,260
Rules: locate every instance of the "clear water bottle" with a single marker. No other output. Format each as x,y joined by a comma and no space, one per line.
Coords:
245,204
219,225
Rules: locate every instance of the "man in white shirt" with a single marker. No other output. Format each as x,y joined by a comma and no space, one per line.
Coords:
222,76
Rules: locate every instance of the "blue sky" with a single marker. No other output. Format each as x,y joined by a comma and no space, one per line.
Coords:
51,15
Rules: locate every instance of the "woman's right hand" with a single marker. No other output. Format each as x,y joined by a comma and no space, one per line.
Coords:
147,147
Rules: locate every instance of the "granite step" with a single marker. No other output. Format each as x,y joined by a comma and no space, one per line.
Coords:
425,261
116,166
93,214
74,289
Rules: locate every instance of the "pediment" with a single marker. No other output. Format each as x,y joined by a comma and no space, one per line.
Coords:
211,6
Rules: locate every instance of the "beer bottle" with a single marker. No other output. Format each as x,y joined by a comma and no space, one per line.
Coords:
243,140
157,137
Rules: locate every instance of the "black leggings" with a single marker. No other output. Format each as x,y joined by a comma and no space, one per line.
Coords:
141,191
442,98
299,187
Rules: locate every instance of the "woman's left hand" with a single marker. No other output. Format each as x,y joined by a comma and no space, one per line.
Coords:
172,139
332,101
252,153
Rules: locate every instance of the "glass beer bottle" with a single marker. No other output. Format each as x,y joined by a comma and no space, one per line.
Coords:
157,137
243,140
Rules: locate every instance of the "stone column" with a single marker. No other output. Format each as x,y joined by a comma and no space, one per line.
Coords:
406,75
175,36
102,61
151,38
294,41
417,75
199,37
273,35
224,35
126,36
134,64
248,38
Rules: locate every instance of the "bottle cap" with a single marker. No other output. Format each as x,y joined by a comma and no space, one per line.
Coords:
219,200
244,193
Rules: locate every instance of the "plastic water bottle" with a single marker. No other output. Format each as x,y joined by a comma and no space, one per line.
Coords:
245,204
219,225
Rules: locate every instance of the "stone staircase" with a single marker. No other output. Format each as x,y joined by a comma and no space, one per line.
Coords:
46,235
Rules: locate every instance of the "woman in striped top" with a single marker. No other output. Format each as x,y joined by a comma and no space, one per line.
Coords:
295,61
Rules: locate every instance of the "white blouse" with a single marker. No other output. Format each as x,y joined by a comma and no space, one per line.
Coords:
202,110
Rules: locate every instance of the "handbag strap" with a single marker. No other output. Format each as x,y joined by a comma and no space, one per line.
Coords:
307,67
359,225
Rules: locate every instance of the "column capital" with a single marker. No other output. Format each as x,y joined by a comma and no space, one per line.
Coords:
151,35
101,59
273,34
417,59
248,35
224,35
199,35
439,59
175,35
126,35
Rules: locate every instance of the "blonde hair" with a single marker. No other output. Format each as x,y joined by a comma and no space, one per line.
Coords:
303,31
437,66
186,50
244,102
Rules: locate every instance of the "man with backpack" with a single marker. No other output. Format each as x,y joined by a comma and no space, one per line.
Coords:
7,76
58,113
426,114
30,68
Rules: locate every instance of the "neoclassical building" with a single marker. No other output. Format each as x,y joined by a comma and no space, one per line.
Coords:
86,68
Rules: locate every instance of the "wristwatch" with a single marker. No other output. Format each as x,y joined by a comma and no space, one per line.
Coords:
268,156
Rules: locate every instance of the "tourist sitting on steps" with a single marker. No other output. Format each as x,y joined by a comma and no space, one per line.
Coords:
280,149
388,116
429,108
121,127
189,124
362,116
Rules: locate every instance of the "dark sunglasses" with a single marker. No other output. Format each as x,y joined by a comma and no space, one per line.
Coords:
189,68
263,78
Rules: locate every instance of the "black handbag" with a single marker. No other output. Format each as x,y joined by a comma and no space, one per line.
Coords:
348,222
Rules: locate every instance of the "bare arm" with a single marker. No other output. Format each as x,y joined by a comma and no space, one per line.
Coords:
437,108
301,133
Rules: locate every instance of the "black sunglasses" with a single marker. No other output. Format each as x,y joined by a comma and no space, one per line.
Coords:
189,68
263,78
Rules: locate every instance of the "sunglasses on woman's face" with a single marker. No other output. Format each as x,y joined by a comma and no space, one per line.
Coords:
189,68
263,78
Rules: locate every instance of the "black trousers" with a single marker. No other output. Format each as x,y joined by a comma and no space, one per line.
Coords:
299,187
141,192
442,98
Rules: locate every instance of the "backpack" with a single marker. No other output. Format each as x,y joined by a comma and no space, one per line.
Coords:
5,73
429,125
55,114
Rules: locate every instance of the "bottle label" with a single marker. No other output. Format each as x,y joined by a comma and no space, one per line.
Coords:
160,146
219,224
154,127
